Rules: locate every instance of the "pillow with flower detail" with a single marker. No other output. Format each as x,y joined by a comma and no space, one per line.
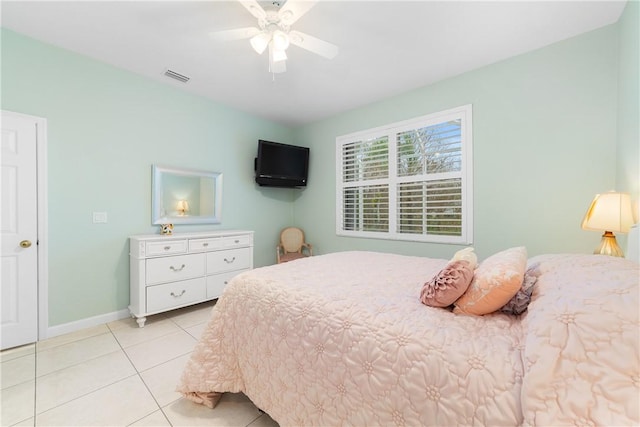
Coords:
448,285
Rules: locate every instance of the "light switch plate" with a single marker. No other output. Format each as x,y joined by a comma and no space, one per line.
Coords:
99,217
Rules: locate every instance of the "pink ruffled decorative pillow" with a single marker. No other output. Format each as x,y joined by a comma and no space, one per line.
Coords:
447,286
497,279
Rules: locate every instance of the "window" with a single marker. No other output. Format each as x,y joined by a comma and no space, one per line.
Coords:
410,180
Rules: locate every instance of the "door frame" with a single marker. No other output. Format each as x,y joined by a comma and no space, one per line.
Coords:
43,223
43,227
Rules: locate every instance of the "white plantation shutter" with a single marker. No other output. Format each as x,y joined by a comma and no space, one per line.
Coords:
430,207
408,181
366,208
365,160
365,204
430,149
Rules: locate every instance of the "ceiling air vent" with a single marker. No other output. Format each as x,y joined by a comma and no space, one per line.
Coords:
177,76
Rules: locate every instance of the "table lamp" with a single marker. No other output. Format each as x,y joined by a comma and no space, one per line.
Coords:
609,212
183,207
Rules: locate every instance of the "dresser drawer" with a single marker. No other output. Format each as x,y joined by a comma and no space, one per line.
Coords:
236,241
217,282
169,272
170,295
203,245
228,260
216,244
167,248
171,269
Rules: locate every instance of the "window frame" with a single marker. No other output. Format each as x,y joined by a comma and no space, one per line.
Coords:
390,131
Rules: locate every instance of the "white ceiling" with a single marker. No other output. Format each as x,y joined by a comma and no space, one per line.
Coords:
386,47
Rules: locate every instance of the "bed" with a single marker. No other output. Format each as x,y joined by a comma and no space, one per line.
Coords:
343,339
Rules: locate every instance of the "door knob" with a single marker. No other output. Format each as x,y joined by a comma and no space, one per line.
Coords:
25,243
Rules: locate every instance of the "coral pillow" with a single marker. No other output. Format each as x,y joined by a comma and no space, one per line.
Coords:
497,279
447,285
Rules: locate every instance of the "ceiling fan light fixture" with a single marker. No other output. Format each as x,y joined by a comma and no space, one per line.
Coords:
280,40
259,42
278,55
273,31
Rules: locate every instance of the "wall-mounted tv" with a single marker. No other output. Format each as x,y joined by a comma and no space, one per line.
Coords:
281,165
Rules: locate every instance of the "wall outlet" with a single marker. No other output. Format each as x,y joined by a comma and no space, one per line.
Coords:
99,217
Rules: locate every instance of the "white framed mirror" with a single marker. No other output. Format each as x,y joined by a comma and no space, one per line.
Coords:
185,196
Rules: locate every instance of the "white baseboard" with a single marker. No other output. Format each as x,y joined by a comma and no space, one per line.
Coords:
65,328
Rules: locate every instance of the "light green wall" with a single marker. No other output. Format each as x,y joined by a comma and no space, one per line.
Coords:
628,178
544,126
106,127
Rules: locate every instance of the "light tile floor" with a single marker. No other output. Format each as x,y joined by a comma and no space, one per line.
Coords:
115,375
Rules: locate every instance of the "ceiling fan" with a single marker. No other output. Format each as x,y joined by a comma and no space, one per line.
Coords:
274,32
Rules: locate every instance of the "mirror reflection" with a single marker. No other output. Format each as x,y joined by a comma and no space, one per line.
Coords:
183,196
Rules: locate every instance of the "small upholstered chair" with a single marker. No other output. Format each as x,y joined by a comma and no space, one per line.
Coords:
292,245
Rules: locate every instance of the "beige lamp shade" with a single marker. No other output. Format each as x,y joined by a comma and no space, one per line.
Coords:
183,206
609,212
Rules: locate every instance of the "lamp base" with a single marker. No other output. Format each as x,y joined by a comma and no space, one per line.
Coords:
609,246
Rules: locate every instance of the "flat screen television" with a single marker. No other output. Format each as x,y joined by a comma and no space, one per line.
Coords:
281,165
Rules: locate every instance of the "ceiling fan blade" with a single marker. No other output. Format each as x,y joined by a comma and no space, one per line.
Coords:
235,34
254,8
313,44
294,9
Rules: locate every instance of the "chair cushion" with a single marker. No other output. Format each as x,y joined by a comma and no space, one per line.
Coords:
291,256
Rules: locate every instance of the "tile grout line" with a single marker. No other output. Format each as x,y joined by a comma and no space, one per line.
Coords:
35,415
255,419
35,383
3,389
164,414
141,380
141,342
6,389
182,397
121,349
75,364
37,344
137,373
86,394
99,388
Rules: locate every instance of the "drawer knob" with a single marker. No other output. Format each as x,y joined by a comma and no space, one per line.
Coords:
177,269
166,248
229,261
237,241
178,296
205,244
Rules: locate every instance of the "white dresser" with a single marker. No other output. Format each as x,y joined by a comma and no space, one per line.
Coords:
169,272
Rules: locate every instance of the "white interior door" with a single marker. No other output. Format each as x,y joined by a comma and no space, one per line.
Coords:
19,230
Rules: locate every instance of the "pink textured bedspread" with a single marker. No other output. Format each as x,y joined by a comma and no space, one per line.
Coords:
342,339
581,354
